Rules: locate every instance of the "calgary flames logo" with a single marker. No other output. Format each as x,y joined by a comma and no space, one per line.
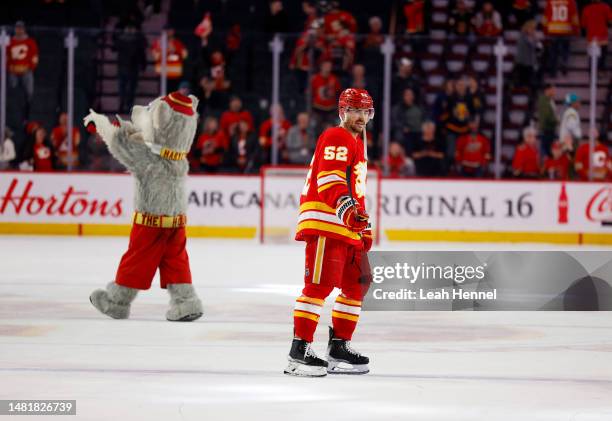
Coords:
361,170
600,205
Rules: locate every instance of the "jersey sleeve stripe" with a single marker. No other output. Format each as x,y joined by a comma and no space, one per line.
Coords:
327,227
328,185
328,179
339,173
318,206
320,216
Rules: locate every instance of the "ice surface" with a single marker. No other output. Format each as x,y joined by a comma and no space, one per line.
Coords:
425,366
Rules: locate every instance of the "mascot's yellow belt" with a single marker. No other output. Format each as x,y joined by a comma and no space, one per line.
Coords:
172,155
159,221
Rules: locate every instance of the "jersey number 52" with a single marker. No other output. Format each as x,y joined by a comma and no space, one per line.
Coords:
338,153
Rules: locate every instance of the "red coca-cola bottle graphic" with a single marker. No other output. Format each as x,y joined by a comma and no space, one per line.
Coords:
563,205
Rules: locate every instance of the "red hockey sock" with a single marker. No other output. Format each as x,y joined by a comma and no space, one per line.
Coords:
306,316
345,315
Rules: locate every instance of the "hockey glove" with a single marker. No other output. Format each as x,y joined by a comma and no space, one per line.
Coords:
352,215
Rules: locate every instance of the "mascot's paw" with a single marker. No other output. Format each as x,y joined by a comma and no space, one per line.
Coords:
99,123
114,301
185,306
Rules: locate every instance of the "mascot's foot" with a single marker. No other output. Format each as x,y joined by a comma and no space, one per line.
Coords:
185,306
114,301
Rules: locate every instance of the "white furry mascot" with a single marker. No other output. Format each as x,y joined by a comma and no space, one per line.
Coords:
153,146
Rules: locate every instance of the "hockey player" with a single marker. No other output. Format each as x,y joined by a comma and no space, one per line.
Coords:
334,224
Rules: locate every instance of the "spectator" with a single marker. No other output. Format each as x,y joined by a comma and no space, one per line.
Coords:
557,167
460,20
460,112
277,20
310,43
428,155
59,140
559,28
214,83
358,78
335,14
232,117
375,37
595,20
233,40
547,118
42,151
130,45
325,88
210,147
300,141
440,107
184,88
407,119
22,60
526,60
7,149
570,132
310,10
414,12
399,164
25,151
175,56
488,22
204,29
341,48
520,11
473,152
602,164
265,130
405,79
477,96
526,162
242,149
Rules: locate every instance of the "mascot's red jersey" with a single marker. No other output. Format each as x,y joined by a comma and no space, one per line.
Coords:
338,168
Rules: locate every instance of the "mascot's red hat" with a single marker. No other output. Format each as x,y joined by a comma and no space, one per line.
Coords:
179,103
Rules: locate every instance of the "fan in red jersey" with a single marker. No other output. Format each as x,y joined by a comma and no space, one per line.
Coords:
22,60
334,224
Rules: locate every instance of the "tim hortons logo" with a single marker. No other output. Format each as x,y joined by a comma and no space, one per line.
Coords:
70,202
599,208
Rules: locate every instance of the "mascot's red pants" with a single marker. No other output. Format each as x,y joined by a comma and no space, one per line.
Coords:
332,263
155,242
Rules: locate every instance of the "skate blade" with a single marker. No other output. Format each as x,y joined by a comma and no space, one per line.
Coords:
188,318
341,367
301,370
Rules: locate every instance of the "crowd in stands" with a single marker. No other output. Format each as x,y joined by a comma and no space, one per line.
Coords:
438,139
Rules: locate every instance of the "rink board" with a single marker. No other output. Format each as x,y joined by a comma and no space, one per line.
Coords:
223,206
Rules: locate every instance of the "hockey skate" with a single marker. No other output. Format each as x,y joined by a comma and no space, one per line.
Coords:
114,301
185,306
342,359
303,361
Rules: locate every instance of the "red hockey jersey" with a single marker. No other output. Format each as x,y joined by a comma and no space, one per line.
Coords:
602,167
22,55
338,168
561,18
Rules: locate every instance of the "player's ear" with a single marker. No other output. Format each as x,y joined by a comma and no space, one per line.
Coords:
161,115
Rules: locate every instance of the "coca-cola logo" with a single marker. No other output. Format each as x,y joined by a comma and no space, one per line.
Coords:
20,200
599,207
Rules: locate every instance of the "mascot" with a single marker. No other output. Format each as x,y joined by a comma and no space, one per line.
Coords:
153,146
